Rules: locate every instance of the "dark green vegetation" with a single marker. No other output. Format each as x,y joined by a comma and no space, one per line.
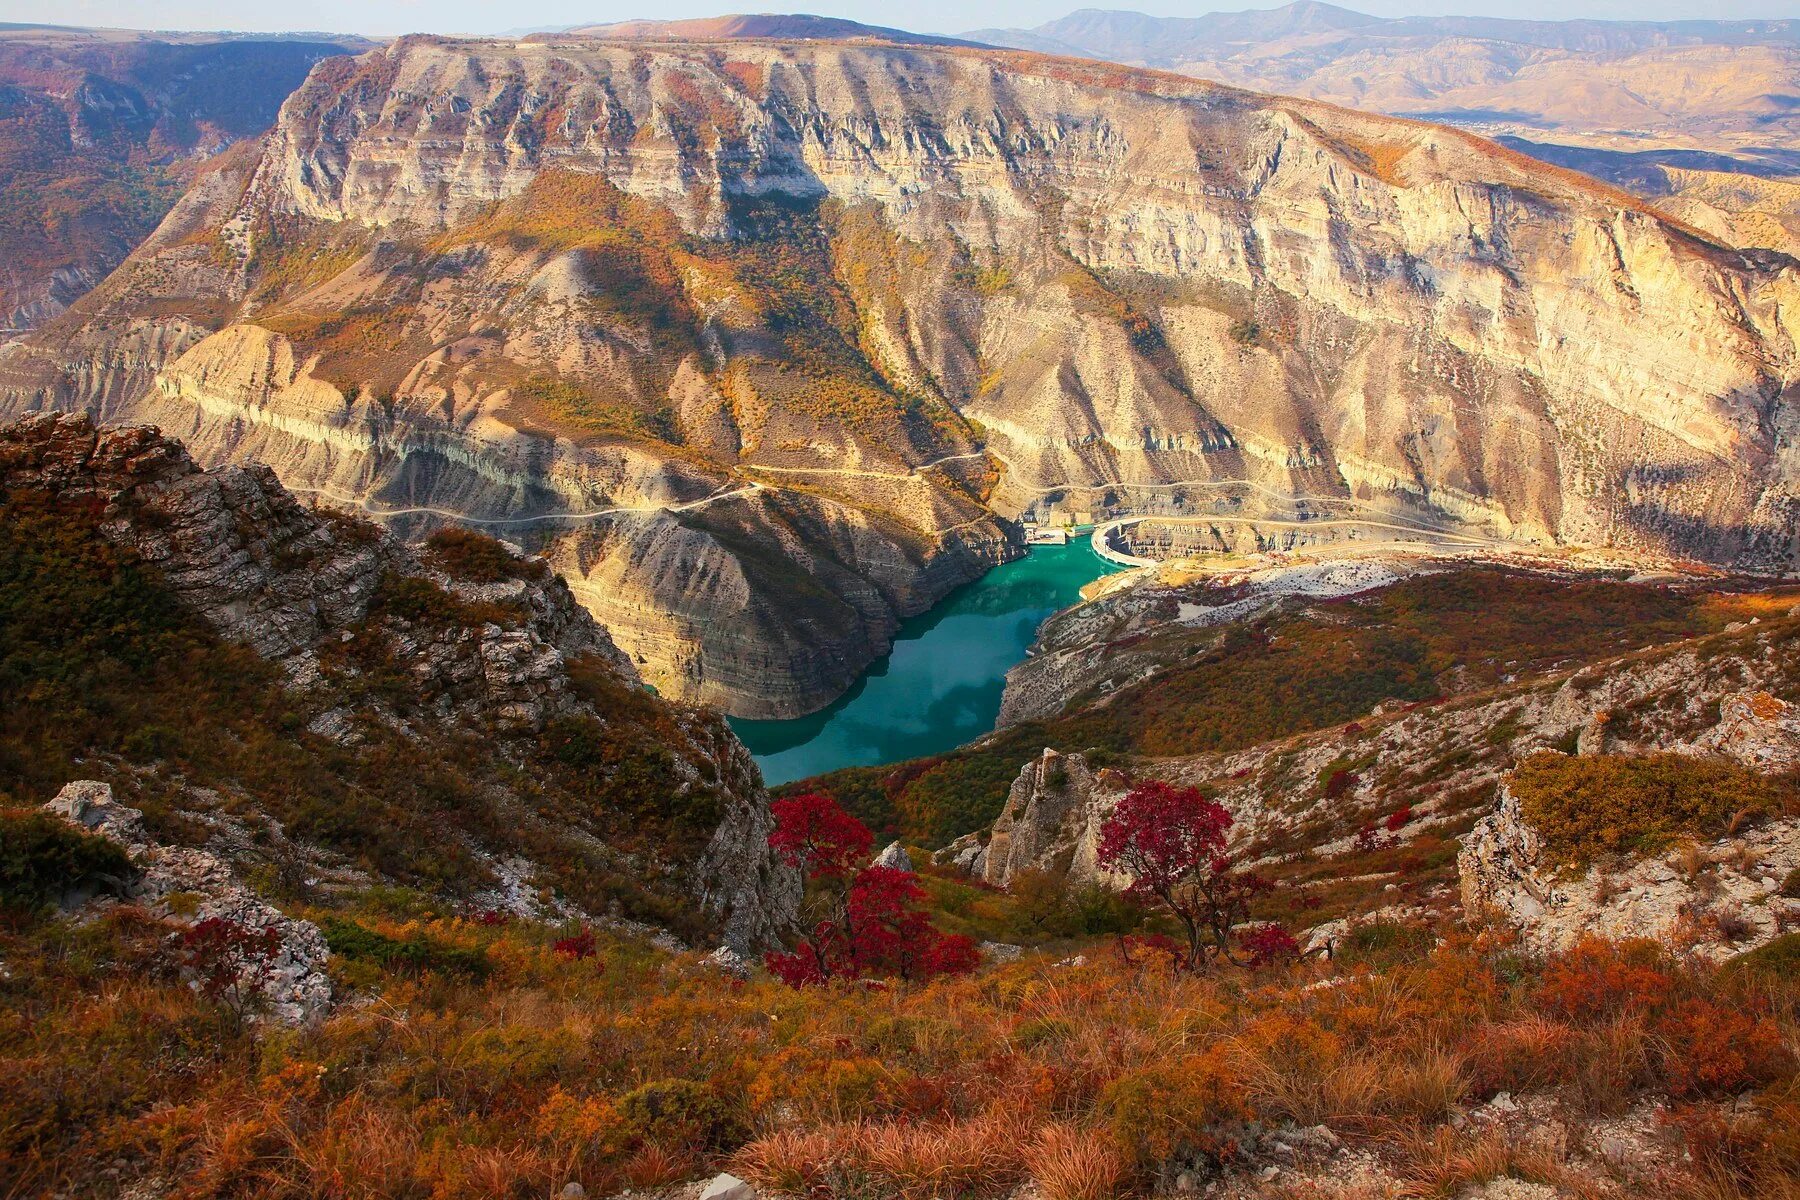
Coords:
42,859
1601,804
1309,665
103,674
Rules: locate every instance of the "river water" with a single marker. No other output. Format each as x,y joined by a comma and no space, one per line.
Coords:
941,684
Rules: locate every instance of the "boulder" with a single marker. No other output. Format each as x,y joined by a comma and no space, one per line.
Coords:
894,856
967,854
727,1187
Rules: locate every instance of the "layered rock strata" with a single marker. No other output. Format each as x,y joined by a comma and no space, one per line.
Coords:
760,335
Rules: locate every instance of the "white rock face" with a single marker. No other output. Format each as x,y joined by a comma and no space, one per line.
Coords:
292,982
1052,821
894,856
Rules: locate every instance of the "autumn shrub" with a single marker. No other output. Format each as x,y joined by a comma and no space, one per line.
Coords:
1184,1107
1709,1049
1596,979
1590,805
477,558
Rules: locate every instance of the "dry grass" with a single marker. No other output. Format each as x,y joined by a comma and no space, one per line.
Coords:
1075,1164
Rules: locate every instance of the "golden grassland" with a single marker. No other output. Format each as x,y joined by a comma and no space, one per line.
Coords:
481,1060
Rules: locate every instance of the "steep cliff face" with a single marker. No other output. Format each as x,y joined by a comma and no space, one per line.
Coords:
722,319
388,662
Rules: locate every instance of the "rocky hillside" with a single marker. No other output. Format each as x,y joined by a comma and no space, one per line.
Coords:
1648,794
755,338
100,132
328,711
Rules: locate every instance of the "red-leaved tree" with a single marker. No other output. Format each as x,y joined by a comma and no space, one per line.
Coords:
1172,844
867,921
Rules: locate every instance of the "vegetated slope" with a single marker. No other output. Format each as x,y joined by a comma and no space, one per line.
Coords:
100,132
508,1056
1139,685
1619,94
231,661
781,323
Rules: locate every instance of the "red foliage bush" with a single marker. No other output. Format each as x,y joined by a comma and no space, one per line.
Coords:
871,920
1399,819
1708,1049
1268,943
1172,843
227,960
816,836
577,945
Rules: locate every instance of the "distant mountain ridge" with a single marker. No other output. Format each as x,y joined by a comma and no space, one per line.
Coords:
788,26
1622,99
1170,41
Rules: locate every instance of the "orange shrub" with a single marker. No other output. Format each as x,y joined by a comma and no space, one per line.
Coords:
1596,979
1708,1049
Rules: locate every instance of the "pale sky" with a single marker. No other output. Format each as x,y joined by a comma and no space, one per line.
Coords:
380,17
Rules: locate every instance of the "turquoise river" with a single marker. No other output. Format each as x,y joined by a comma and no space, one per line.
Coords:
941,684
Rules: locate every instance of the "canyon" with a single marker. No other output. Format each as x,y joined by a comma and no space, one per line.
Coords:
765,344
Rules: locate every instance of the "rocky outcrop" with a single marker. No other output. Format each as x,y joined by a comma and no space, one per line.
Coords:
865,297
895,857
1715,900
1757,729
335,601
967,854
192,886
1052,820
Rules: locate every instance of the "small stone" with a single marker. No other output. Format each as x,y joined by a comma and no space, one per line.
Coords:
1187,1181
728,1187
573,1191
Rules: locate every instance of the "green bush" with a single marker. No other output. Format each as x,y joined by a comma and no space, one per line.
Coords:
1779,959
1599,804
359,943
41,858
680,1112
1385,944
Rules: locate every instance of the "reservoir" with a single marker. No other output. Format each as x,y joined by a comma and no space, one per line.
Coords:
940,686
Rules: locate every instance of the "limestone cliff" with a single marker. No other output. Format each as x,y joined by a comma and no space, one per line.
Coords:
758,336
